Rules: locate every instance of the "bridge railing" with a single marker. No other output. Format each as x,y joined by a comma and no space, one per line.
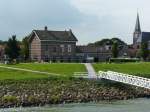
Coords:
119,77
125,78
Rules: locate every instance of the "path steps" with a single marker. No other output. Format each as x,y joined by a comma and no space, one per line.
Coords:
90,70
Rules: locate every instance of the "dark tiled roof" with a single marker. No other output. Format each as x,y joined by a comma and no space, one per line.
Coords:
145,36
55,35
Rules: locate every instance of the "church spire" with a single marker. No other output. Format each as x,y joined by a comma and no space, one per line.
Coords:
137,26
137,32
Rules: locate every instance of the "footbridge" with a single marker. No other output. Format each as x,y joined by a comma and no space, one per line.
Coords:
118,77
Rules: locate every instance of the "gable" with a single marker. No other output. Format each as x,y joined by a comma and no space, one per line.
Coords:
33,37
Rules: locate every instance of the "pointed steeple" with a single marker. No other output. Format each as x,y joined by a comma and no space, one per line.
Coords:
137,26
137,32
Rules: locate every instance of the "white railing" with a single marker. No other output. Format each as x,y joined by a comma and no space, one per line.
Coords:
118,77
125,78
84,75
80,74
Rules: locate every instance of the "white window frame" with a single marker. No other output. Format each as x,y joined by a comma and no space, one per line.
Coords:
69,48
62,48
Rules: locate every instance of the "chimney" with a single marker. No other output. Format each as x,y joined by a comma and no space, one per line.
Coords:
70,32
46,28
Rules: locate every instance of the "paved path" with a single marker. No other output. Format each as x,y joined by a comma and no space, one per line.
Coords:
27,70
90,70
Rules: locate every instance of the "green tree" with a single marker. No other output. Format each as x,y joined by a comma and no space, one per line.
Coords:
115,49
25,48
108,41
12,48
144,52
102,42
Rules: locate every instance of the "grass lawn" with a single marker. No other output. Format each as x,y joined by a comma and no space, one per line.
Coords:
139,69
6,74
62,69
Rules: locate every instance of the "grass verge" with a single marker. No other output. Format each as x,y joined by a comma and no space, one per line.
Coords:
139,69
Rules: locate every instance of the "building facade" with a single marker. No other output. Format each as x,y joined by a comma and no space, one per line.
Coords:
45,45
48,45
93,53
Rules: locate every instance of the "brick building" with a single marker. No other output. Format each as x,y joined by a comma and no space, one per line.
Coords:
52,45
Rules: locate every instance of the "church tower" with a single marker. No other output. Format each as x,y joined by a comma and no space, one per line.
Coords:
137,32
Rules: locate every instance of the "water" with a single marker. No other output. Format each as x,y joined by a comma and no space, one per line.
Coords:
138,105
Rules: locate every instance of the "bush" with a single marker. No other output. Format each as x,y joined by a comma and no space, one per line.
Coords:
9,99
120,60
55,99
33,99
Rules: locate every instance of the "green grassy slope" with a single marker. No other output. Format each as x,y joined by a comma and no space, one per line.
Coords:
17,75
62,69
139,69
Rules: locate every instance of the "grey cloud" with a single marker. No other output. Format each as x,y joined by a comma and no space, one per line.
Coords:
20,16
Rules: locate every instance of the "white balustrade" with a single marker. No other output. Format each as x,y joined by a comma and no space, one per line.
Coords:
119,77
125,78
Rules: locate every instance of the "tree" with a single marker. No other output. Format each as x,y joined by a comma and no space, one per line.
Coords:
115,49
119,41
108,41
12,48
102,42
25,48
144,52
2,42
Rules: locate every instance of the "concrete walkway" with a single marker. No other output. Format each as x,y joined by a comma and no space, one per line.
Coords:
90,70
27,70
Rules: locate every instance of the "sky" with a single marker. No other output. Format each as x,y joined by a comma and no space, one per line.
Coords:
90,20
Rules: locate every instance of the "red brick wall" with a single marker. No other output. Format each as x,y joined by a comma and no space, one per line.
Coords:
35,49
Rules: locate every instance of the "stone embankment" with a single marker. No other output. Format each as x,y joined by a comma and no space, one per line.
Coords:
59,90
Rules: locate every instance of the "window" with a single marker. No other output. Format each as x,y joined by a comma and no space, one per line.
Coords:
46,47
62,48
54,49
69,48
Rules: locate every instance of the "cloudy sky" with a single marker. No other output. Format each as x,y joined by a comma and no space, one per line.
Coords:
90,20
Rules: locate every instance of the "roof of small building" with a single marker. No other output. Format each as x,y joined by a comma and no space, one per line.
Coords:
46,35
145,36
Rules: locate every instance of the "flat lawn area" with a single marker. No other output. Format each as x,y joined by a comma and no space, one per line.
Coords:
57,68
6,74
139,69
